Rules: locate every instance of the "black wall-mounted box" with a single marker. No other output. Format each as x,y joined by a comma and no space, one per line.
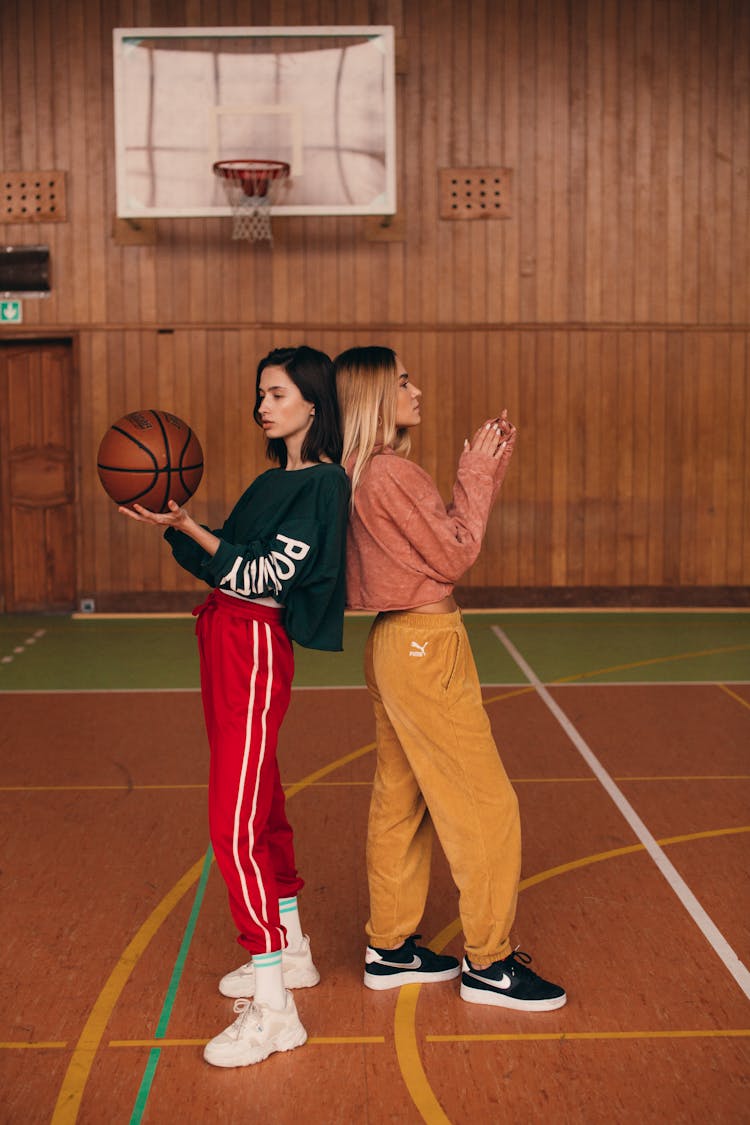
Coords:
24,271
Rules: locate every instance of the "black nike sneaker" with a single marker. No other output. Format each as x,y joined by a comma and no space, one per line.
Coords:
409,964
510,984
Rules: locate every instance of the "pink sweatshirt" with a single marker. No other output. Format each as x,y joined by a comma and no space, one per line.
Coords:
404,549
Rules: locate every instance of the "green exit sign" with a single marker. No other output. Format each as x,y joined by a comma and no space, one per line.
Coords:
11,312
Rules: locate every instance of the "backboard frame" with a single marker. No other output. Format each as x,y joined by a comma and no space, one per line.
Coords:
129,206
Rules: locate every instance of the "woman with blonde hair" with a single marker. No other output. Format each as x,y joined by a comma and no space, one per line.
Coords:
437,763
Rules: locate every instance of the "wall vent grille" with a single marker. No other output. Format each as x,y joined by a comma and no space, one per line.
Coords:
32,197
475,193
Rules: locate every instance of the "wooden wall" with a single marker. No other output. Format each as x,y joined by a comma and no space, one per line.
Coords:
611,312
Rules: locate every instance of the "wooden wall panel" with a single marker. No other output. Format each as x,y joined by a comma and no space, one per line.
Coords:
626,126
610,313
617,481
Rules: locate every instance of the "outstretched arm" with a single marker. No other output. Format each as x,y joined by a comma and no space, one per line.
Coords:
261,568
180,520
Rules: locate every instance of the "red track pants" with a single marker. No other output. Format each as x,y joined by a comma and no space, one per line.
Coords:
247,665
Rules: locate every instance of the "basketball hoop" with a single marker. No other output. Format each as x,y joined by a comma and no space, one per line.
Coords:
251,187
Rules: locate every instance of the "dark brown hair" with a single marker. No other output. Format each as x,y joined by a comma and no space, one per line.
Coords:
312,373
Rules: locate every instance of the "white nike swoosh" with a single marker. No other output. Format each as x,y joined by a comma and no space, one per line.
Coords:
504,982
415,963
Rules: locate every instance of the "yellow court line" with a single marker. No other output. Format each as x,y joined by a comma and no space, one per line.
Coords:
93,788
710,834
571,780
689,777
627,777
409,1061
651,661
407,1049
335,784
367,784
527,689
587,861
324,1040
560,1036
314,779
314,1040
79,1067
325,770
737,698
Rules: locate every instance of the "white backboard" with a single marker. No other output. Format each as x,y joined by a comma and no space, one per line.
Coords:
320,98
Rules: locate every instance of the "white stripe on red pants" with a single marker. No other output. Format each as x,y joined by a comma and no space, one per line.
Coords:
247,665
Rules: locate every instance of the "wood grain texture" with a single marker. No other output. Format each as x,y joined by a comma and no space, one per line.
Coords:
610,313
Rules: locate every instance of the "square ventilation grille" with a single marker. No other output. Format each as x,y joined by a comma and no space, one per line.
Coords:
475,193
32,197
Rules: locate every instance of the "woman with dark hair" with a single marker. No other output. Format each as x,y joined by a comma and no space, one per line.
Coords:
277,568
437,763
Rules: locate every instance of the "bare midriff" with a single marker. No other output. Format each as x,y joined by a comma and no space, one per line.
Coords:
445,605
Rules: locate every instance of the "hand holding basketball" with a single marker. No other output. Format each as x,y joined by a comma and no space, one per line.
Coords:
150,458
175,517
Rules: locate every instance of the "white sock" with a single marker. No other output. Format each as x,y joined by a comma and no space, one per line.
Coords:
289,915
269,981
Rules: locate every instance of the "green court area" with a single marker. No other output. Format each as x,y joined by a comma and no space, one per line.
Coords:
627,647
63,653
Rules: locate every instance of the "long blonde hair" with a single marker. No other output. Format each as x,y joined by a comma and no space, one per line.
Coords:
367,389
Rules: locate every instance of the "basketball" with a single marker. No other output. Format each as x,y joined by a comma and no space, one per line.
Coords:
149,458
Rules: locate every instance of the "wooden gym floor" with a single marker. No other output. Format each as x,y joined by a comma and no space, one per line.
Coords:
627,738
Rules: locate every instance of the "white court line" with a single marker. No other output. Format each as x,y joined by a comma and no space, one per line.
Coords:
704,923
19,650
363,687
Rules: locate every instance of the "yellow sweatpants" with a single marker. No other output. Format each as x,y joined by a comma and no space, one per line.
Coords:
437,765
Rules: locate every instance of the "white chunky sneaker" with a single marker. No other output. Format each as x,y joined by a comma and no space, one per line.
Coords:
257,1032
297,967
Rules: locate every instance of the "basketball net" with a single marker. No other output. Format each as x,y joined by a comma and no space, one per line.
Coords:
252,187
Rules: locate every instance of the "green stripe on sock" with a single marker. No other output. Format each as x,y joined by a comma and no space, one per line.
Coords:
266,960
287,905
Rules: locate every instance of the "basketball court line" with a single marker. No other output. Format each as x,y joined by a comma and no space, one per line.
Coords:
21,648
85,1042
174,982
733,695
644,683
380,1040
407,1049
505,611
488,686
89,1042
405,1038
702,920
77,1074
312,1040
289,785
560,1036
722,651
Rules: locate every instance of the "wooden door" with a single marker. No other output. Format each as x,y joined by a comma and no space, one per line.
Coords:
37,476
